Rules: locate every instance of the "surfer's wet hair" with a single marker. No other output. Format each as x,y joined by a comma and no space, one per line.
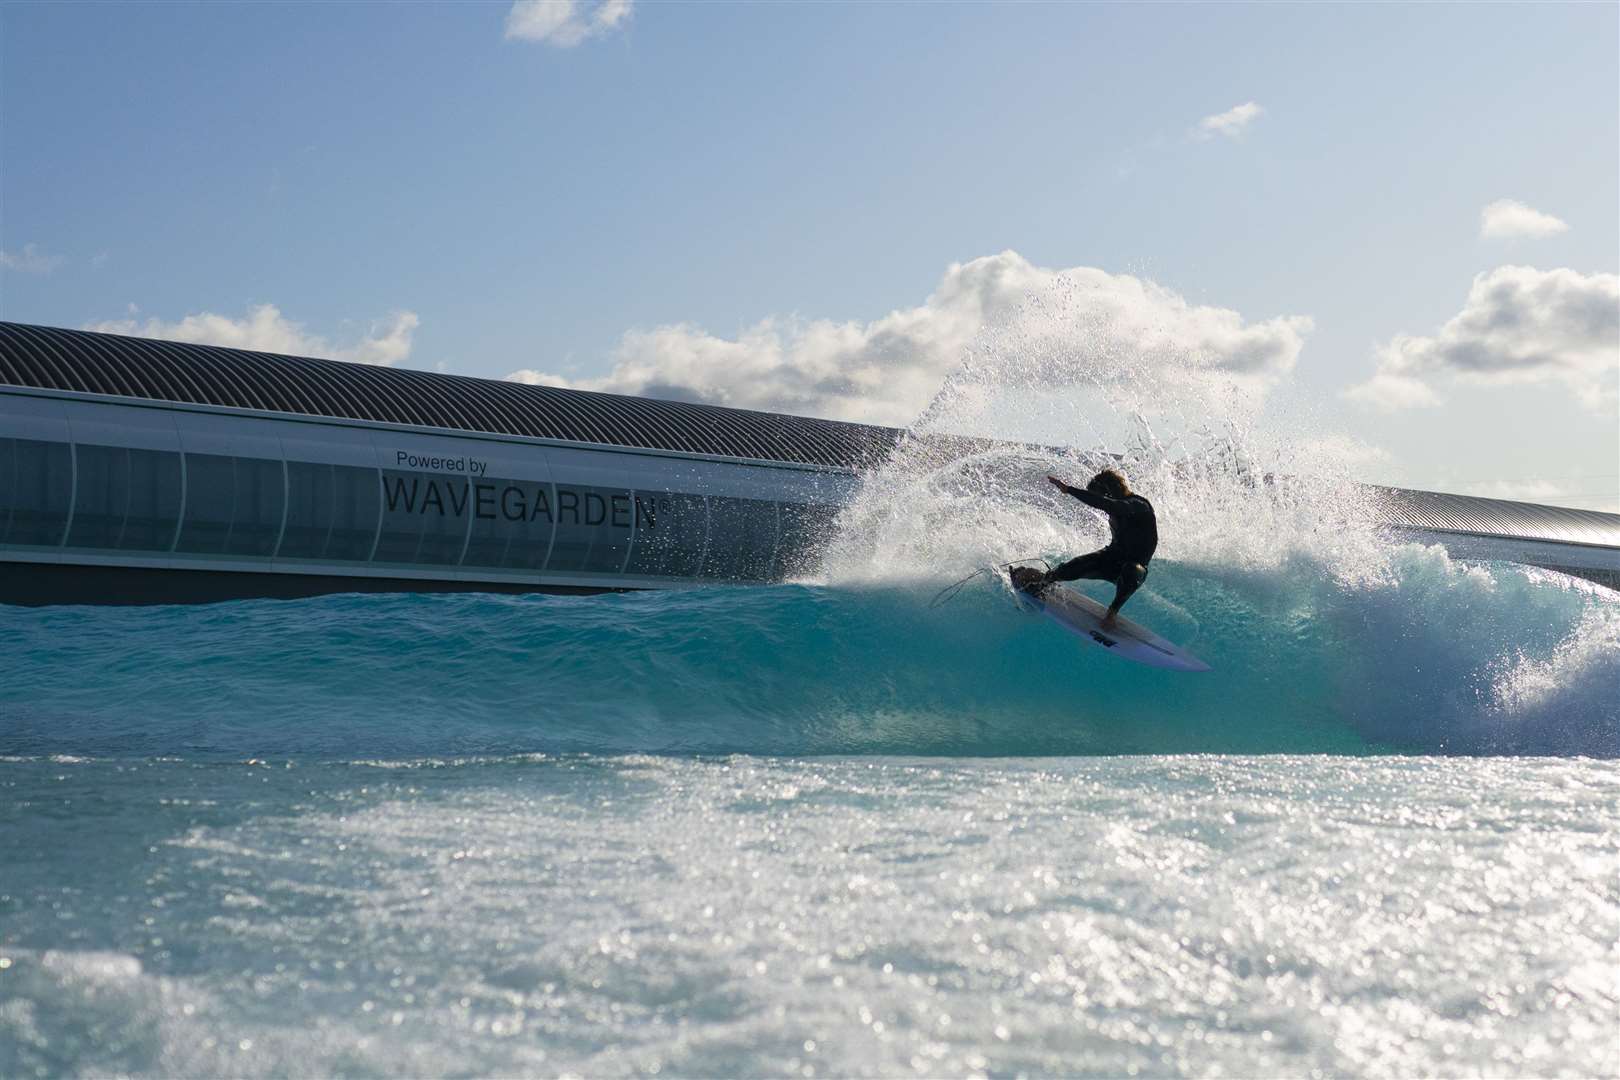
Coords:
1111,483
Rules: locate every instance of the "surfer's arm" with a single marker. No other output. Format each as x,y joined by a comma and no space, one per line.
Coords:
1091,499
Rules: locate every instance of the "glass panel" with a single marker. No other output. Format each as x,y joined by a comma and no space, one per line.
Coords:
260,496
101,497
742,539
128,499
807,528
424,517
233,505
593,529
444,520
402,518
613,534
331,512
36,483
210,504
358,501
154,500
670,533
8,484
512,523
311,494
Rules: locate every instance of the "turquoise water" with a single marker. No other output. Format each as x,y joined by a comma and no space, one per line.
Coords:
818,830
1436,658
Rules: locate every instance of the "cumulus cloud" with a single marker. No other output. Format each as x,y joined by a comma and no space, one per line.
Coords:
1537,491
1390,391
565,23
1518,325
1344,449
1230,123
30,260
1080,325
265,329
1509,219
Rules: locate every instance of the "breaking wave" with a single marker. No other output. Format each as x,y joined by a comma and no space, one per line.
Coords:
1438,657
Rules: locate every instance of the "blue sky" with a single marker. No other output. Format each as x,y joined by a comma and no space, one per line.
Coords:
696,193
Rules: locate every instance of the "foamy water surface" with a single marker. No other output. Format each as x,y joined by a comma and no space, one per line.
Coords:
743,916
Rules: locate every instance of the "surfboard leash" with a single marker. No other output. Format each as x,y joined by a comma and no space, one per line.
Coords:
949,592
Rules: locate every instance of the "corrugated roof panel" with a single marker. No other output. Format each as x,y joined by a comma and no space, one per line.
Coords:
44,362
104,362
99,348
89,362
383,398
423,393
1497,517
521,407
283,372
182,384
243,383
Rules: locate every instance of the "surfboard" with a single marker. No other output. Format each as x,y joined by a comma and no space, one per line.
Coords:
1081,615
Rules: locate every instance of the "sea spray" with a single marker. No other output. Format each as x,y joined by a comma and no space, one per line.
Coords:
1242,474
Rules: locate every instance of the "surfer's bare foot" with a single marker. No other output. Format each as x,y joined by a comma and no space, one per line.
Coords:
1108,620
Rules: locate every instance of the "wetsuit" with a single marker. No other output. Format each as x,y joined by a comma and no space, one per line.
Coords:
1135,533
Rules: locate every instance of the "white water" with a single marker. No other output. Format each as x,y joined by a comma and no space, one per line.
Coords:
1165,917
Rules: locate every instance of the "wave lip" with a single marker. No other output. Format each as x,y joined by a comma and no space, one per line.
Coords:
1568,698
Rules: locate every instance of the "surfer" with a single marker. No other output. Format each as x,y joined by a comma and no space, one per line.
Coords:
1134,533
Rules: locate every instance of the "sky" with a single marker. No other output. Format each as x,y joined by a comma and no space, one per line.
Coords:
1405,216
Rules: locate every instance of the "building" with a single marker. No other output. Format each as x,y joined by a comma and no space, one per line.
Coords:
140,471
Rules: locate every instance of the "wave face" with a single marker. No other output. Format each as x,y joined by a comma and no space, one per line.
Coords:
1435,657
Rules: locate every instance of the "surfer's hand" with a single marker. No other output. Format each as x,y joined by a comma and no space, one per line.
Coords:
1060,485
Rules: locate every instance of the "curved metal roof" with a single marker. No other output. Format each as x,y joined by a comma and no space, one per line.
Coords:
1497,517
48,358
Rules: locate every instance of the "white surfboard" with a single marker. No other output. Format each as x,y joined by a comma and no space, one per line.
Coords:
1080,614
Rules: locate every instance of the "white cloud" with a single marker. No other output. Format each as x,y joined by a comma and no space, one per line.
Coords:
1342,448
99,260
1389,391
30,261
1077,326
612,13
1509,219
1518,325
565,23
1537,491
265,329
1230,123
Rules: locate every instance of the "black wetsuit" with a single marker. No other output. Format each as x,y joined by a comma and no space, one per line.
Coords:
1135,533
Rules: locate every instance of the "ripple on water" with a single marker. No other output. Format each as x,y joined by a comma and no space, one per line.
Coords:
1259,916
